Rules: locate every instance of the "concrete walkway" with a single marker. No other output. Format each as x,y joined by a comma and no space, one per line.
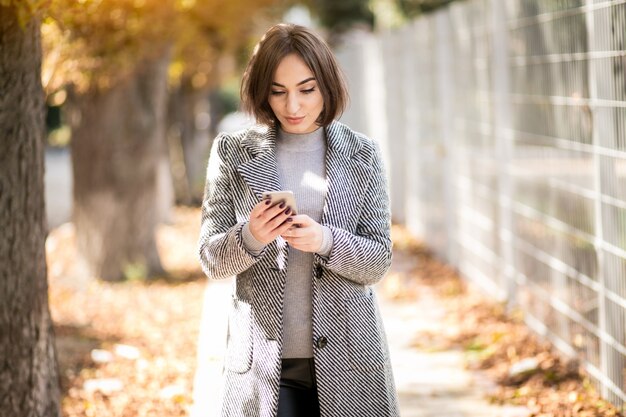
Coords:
429,383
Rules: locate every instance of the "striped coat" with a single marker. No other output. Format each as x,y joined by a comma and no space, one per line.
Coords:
352,365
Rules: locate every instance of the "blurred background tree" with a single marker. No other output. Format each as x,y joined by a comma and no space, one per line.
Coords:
29,383
337,17
113,61
412,8
110,58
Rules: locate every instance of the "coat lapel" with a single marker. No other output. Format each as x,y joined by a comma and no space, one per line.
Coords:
261,171
346,177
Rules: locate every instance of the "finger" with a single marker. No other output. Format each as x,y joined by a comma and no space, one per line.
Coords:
298,234
300,218
283,227
293,231
271,217
295,225
271,229
260,208
280,218
275,210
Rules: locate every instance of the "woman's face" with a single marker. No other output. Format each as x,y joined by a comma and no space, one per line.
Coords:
295,97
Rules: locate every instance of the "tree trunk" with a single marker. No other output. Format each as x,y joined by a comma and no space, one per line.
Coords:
190,139
29,382
118,146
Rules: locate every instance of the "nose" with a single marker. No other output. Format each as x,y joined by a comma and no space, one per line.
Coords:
293,105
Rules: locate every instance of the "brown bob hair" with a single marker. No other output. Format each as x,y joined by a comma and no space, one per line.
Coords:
281,40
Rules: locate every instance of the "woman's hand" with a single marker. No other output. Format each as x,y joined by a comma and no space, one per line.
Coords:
269,221
305,234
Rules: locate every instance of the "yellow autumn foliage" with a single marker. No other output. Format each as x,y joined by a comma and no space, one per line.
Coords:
26,9
94,43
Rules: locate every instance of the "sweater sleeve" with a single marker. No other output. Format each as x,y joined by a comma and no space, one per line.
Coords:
252,245
221,247
365,256
327,241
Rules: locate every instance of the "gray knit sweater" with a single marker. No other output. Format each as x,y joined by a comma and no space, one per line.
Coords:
301,167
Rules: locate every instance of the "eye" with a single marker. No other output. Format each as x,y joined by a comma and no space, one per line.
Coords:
276,93
309,91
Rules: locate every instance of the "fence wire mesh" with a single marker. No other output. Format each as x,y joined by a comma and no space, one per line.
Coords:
504,123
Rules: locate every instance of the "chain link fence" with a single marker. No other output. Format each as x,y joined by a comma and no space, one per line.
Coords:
504,127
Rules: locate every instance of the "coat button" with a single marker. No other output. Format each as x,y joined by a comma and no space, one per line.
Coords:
322,341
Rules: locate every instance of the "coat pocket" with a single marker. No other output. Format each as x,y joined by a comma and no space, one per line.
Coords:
364,334
239,341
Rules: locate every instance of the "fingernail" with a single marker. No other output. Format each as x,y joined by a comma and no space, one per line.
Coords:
282,205
288,210
267,202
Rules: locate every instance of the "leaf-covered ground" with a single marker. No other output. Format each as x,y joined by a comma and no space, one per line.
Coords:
129,349
496,343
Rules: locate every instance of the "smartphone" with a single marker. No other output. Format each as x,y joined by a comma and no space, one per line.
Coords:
277,197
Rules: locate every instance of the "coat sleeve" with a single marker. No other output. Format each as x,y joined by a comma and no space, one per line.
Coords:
220,246
365,256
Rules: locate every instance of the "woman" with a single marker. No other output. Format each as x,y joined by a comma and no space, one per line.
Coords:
305,336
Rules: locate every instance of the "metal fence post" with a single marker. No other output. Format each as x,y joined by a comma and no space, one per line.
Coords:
445,90
597,163
504,145
394,105
411,123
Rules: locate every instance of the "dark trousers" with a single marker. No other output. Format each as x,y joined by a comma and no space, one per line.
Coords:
298,391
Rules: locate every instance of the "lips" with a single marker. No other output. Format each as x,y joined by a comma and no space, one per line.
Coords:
294,120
